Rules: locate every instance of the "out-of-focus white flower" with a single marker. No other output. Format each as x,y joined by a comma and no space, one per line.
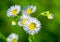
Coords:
12,38
29,9
50,16
13,10
32,26
23,19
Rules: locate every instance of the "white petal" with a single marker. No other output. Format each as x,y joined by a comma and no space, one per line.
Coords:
34,9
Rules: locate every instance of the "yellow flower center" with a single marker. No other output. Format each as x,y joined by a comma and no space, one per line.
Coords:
14,40
29,10
32,26
14,11
24,21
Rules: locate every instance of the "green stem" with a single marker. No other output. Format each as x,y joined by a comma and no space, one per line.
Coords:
31,38
43,14
38,15
17,17
2,36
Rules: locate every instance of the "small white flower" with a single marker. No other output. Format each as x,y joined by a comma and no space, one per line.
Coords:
13,10
12,38
32,26
23,19
50,16
13,23
29,9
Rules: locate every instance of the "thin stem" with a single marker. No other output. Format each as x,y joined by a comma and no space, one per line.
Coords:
17,17
43,14
31,38
38,15
2,36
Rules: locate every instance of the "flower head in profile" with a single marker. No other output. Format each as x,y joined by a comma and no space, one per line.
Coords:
32,26
13,10
23,19
12,38
29,9
48,14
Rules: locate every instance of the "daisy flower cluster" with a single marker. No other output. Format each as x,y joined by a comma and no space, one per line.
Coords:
30,24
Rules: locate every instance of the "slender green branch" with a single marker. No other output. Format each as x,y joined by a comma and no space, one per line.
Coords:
2,36
31,38
38,15
43,14
17,17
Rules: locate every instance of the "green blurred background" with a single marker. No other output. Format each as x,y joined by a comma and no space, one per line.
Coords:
50,30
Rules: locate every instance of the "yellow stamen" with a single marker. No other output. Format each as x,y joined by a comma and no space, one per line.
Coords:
24,21
14,11
32,26
29,10
14,40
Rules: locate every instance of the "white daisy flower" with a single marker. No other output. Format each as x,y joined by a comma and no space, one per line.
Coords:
13,10
12,38
32,26
23,19
13,23
50,16
29,9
